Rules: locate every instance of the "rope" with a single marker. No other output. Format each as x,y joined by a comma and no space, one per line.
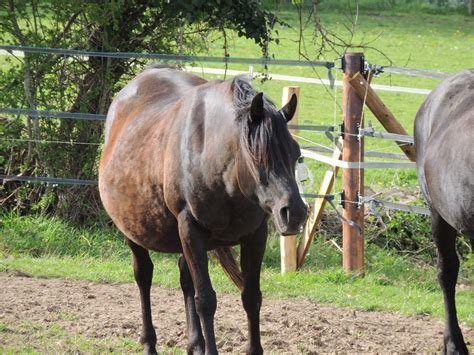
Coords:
422,73
98,117
312,128
44,141
51,180
343,219
355,165
396,206
169,57
312,142
52,114
370,132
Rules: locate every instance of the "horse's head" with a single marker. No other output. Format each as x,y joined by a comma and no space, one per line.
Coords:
268,156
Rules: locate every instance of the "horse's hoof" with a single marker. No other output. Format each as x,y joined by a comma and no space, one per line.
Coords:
254,350
149,350
455,349
196,351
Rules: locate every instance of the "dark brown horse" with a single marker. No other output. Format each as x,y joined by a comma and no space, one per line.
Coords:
191,166
444,140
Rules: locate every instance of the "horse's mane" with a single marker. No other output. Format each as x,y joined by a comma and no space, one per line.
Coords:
254,139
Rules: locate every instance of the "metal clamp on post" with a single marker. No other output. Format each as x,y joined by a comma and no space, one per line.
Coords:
372,68
360,200
367,131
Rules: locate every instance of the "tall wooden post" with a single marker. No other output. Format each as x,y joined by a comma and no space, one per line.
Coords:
288,243
352,179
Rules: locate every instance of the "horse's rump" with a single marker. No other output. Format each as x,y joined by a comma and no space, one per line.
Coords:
444,131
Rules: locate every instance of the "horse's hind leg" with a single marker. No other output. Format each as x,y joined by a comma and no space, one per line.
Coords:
195,338
143,271
448,267
252,251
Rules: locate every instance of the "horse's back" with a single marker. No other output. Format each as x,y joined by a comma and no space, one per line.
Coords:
155,87
444,131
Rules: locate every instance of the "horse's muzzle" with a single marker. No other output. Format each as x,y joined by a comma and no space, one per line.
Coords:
290,217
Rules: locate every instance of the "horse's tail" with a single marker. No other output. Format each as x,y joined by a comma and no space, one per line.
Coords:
226,257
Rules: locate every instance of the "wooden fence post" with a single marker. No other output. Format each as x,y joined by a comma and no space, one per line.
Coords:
352,179
288,243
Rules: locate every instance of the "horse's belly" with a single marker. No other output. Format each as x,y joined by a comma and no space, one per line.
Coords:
139,211
450,183
156,236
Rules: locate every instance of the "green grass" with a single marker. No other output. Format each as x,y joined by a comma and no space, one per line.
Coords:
52,338
409,34
392,281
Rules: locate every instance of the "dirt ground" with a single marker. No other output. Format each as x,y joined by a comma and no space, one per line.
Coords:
288,326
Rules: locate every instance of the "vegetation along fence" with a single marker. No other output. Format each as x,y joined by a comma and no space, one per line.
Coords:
348,152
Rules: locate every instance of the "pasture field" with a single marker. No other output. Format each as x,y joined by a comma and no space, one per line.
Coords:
444,43
402,283
92,270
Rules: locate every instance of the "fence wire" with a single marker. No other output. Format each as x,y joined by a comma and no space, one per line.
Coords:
170,57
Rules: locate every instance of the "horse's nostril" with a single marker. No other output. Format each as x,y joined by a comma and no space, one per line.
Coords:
285,215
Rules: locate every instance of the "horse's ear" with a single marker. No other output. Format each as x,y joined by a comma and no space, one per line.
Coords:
257,112
290,108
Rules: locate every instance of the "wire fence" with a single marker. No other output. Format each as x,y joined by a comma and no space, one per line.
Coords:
47,114
170,57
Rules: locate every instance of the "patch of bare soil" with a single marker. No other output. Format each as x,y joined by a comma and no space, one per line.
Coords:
288,326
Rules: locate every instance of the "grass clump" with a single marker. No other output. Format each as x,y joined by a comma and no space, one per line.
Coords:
39,235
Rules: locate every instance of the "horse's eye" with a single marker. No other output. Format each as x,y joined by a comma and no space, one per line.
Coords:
301,160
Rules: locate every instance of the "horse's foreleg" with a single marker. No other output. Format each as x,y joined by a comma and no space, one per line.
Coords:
143,271
252,250
192,240
448,267
195,338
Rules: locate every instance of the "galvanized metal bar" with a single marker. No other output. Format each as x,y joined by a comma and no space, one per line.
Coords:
50,180
170,57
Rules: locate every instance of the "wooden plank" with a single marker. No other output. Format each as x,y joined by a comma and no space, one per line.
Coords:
383,114
352,179
288,243
288,253
316,213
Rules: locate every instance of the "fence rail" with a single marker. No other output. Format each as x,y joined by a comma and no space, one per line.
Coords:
170,57
52,114
50,180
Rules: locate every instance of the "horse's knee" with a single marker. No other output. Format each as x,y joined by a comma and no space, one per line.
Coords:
206,303
251,299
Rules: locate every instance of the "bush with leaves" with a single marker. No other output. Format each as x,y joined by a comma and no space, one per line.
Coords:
87,84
